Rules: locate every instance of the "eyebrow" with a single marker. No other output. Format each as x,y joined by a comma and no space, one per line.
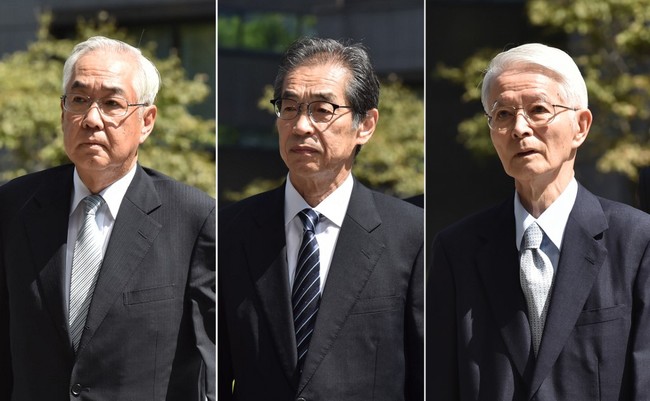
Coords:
526,99
326,96
114,89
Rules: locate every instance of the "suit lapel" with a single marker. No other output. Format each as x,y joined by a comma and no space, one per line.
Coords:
580,260
46,226
133,233
354,259
498,265
265,250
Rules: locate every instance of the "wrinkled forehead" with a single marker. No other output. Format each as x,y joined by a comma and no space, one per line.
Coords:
524,85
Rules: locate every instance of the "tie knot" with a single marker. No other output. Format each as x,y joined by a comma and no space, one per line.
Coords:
92,203
532,237
309,219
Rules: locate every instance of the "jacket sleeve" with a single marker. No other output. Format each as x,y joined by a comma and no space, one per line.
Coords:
203,299
442,372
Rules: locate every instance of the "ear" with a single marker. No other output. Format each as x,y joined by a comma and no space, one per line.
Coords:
584,119
367,126
148,121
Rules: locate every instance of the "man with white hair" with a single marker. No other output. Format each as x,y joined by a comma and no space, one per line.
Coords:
107,269
545,296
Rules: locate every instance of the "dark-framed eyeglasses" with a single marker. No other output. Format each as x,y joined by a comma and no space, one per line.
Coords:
537,114
109,106
319,111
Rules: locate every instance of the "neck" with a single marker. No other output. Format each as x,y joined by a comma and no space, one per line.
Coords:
539,193
314,191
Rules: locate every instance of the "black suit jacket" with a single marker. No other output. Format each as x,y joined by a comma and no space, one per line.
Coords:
368,340
596,342
149,333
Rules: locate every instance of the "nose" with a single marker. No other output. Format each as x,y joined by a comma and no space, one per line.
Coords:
521,126
303,124
93,117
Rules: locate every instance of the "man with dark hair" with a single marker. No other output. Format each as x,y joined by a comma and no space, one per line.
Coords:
321,280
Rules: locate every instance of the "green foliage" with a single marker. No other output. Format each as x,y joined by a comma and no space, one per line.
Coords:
264,31
393,160
610,42
181,145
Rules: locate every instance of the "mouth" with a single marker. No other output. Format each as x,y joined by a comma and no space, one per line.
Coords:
303,150
525,153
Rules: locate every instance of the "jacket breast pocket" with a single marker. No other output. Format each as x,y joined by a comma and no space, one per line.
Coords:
149,295
603,315
375,305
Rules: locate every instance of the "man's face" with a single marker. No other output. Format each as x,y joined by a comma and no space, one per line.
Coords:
105,147
320,153
528,153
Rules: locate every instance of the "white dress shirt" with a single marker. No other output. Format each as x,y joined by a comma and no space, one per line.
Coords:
105,215
332,210
552,221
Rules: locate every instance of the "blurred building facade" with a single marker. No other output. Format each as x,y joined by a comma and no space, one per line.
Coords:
183,26
392,30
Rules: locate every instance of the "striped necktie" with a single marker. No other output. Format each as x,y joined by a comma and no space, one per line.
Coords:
86,259
306,287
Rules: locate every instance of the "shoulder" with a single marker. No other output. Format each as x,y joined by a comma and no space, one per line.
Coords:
625,219
33,181
18,190
178,193
269,203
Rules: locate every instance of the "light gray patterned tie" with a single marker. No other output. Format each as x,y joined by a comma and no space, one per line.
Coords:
536,277
86,259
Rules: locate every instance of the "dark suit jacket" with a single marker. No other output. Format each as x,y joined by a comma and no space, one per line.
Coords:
368,340
596,343
150,329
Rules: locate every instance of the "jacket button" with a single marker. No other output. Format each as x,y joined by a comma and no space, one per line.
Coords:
76,390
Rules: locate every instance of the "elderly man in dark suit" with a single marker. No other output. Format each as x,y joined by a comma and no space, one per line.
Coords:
107,269
346,323
545,296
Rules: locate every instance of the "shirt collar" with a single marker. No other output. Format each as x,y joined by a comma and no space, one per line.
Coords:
334,207
113,194
554,219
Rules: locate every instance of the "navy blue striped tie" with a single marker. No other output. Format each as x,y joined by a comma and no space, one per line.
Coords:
306,286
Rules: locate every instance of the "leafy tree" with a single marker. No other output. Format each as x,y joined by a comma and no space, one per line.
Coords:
263,31
393,160
610,42
182,145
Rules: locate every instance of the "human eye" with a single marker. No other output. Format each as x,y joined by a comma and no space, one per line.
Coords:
538,109
323,109
77,99
503,113
287,106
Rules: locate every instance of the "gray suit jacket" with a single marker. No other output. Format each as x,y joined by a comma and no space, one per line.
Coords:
596,342
368,340
149,333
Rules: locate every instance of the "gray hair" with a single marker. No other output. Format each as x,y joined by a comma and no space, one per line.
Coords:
362,90
147,78
558,64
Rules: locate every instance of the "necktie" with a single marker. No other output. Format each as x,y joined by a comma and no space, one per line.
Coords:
306,286
86,259
536,277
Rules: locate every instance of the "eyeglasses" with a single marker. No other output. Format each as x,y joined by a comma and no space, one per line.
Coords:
538,114
319,111
109,106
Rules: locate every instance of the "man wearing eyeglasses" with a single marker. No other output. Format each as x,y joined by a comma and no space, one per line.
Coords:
321,280
545,296
107,269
